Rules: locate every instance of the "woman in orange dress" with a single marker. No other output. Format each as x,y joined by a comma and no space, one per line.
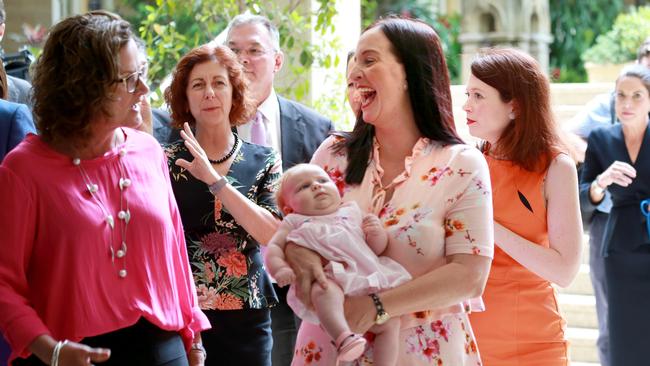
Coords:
537,226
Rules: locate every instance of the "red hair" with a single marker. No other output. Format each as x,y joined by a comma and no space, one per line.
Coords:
531,139
176,94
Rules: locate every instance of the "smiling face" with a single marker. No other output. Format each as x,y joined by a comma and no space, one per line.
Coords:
209,94
380,79
124,107
254,47
487,115
632,100
308,190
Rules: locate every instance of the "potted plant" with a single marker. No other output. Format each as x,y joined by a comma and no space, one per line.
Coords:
616,48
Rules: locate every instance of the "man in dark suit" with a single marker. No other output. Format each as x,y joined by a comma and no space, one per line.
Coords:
291,128
15,123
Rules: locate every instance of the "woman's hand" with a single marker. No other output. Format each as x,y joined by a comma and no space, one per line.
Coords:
77,354
619,172
196,357
200,167
308,267
360,313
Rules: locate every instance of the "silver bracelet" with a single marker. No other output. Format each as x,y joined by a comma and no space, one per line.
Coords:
55,353
199,347
215,187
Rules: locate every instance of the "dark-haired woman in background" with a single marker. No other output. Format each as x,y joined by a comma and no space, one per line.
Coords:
537,226
617,160
405,163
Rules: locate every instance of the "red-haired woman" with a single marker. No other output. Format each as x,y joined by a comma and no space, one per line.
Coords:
537,226
225,198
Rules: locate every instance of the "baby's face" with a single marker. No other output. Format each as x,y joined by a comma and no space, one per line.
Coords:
311,192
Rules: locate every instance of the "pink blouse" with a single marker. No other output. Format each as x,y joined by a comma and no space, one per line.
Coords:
57,274
441,205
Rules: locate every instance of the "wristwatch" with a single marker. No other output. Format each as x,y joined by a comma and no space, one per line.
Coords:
215,187
382,316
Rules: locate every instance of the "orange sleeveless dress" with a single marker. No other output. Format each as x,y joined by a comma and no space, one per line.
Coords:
522,324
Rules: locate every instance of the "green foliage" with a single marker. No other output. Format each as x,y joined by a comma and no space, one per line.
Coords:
574,26
620,44
447,26
170,28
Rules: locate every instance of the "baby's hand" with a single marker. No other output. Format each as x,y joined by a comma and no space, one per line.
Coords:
373,230
285,276
371,225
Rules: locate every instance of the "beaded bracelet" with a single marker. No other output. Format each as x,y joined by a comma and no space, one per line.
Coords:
55,353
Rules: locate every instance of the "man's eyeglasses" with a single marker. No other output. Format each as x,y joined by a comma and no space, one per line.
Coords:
132,81
252,52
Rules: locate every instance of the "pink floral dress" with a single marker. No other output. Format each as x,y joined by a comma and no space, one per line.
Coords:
441,206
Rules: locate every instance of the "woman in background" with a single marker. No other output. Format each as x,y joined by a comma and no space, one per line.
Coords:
225,197
537,226
617,161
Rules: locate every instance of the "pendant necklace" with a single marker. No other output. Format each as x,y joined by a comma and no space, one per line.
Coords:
123,215
229,154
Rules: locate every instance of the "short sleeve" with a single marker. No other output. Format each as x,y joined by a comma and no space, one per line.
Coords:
469,226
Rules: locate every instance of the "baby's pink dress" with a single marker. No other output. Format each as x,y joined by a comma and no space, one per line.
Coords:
338,237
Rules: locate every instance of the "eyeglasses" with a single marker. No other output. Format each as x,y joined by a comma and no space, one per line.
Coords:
253,52
132,81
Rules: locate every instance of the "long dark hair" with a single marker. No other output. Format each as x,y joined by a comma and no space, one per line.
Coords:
417,47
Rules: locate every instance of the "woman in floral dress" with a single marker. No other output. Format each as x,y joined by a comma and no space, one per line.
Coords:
405,163
225,198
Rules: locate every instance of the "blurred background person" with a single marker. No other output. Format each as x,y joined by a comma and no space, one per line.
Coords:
225,197
615,162
19,90
94,267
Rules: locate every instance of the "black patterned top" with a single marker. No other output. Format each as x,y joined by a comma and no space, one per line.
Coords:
226,261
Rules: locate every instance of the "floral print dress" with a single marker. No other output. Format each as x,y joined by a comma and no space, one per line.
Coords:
226,261
441,205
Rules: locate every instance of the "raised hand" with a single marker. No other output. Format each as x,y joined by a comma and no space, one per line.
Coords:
200,167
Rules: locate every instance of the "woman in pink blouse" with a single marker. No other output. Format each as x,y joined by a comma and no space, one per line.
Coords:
94,267
404,162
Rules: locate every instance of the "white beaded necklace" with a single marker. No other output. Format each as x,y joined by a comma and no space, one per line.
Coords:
124,215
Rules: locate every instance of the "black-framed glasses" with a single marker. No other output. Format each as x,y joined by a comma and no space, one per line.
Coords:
132,81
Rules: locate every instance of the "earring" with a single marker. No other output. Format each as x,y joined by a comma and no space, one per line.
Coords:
511,115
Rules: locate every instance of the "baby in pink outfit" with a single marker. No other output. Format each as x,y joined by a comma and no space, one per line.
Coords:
316,218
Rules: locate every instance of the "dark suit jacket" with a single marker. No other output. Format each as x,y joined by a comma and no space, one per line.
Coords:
302,130
626,227
15,123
